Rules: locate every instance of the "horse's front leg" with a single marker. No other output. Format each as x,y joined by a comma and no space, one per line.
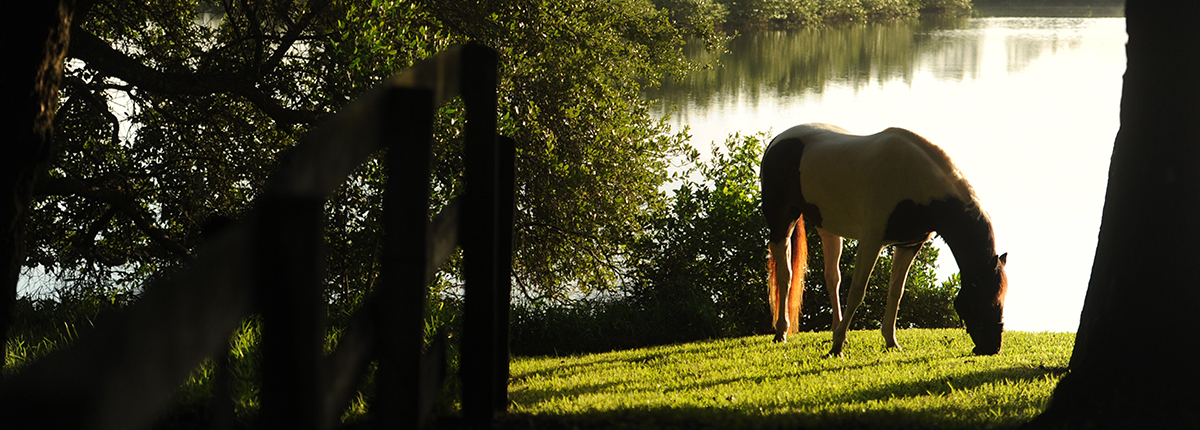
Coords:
864,263
783,280
901,262
831,246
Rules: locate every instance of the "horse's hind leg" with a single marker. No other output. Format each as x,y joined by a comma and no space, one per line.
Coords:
864,263
831,246
783,280
901,262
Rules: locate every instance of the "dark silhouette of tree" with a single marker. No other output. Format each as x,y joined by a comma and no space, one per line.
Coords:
1135,358
36,46
172,115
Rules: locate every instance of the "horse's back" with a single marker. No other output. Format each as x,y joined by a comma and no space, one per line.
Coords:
809,132
857,181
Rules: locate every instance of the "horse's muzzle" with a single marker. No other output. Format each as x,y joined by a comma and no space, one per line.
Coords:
979,350
988,340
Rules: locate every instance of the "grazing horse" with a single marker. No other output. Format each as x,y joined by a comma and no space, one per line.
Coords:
892,188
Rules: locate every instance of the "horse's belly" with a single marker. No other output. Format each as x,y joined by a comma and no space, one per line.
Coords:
857,191
848,221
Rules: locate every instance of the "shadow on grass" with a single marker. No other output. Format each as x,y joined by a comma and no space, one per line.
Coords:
944,386
942,417
823,413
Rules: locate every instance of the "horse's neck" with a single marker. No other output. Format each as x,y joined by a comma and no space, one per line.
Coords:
969,235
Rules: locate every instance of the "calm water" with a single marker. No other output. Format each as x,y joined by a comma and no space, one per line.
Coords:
1027,107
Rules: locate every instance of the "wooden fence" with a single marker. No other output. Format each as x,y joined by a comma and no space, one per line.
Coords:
123,374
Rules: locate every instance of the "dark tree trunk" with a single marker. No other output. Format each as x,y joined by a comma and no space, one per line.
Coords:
36,46
1135,363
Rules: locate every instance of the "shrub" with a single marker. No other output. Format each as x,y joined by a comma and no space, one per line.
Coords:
698,271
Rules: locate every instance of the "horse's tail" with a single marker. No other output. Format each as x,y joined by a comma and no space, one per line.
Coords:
798,247
799,253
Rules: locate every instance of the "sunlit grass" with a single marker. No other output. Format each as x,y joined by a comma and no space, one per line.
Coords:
750,382
26,344
727,383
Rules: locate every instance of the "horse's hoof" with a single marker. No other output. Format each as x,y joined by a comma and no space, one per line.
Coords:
834,354
981,351
779,338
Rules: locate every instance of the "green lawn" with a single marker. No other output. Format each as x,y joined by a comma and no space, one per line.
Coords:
752,383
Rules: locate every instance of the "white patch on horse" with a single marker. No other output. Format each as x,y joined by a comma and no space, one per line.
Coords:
885,169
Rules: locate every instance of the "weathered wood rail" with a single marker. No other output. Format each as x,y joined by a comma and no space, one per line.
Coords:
122,375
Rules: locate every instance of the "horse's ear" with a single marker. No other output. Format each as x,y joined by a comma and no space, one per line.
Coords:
1003,260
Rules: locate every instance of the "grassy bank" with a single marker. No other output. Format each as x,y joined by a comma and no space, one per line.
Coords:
744,382
750,382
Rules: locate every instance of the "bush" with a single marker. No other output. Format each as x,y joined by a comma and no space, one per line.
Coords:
698,271
695,15
945,6
799,13
925,304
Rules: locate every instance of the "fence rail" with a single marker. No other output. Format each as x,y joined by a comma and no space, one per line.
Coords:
122,375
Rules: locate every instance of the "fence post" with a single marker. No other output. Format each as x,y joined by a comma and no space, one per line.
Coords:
479,353
506,198
290,293
407,131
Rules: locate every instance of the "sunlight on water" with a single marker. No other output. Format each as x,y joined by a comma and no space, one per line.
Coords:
1027,107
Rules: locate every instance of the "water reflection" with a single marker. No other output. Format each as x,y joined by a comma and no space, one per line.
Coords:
786,64
950,53
1028,108
783,63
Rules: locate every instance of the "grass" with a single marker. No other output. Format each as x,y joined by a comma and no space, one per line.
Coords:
745,382
752,383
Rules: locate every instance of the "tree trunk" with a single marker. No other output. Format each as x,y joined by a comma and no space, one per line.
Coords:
1145,375
38,44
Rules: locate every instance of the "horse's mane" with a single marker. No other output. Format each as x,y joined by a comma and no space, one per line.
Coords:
940,158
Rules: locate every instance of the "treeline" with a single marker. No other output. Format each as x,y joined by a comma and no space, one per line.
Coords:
1050,2
799,13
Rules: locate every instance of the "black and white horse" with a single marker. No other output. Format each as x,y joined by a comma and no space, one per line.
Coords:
892,188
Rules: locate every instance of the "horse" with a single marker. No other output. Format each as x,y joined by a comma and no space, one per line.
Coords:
892,188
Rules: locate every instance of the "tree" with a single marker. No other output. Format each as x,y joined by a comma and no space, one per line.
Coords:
1134,363
39,43
173,117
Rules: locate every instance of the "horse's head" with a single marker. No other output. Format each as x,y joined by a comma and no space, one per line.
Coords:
980,304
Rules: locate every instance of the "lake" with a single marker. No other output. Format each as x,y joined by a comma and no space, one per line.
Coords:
1027,107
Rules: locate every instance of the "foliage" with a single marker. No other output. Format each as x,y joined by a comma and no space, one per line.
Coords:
750,382
800,13
1023,3
583,326
704,258
925,303
585,137
791,14
953,7
698,15
173,116
699,272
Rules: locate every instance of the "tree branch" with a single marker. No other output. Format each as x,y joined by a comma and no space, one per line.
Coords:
97,102
99,54
118,199
293,35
